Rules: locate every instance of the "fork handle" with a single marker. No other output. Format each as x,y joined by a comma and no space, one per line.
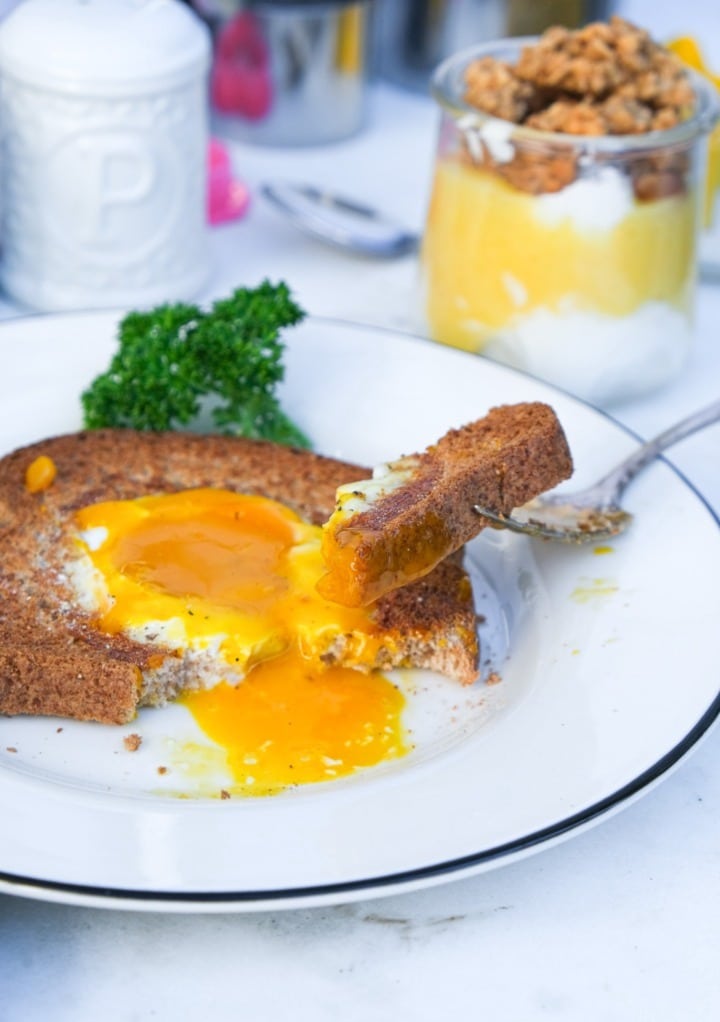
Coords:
619,477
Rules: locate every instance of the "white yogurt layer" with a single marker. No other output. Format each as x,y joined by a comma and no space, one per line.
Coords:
602,359
598,202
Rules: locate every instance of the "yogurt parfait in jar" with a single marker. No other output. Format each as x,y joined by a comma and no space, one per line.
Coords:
562,229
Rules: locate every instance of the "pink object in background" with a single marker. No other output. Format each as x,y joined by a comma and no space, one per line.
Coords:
228,199
240,83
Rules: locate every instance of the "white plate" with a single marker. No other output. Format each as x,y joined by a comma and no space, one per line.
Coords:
604,662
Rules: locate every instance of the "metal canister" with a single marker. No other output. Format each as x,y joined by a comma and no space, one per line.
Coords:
104,114
288,72
411,37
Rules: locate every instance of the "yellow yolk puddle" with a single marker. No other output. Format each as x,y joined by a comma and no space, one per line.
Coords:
288,723
489,258
236,575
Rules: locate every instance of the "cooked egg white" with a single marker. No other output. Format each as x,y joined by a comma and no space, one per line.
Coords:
210,570
354,498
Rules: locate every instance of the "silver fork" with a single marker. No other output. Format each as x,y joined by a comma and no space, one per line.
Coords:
595,513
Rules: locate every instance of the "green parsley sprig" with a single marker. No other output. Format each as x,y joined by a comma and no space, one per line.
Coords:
176,363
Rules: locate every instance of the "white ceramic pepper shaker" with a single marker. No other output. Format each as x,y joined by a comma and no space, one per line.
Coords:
103,112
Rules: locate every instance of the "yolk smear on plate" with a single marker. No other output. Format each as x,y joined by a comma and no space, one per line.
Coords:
489,258
236,575
594,588
599,551
289,724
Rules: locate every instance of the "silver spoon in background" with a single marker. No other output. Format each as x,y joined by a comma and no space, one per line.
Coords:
340,221
594,513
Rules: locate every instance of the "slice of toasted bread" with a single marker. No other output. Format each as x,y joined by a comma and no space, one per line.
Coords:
55,660
388,531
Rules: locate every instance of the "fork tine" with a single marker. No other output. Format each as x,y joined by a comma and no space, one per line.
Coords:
591,530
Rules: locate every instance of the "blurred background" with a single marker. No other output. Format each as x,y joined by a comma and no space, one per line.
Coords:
322,53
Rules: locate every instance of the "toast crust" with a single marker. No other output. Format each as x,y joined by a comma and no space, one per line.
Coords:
54,661
389,531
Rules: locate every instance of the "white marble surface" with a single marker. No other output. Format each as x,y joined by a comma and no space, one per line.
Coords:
620,923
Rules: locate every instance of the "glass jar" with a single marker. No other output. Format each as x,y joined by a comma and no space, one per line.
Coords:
571,257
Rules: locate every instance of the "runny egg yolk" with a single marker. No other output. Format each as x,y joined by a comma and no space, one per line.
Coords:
288,723
210,570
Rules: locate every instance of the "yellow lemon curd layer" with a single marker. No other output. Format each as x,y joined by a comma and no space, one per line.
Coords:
490,258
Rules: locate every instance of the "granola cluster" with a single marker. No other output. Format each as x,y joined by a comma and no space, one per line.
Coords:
604,79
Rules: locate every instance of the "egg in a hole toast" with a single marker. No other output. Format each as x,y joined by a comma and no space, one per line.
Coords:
134,576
